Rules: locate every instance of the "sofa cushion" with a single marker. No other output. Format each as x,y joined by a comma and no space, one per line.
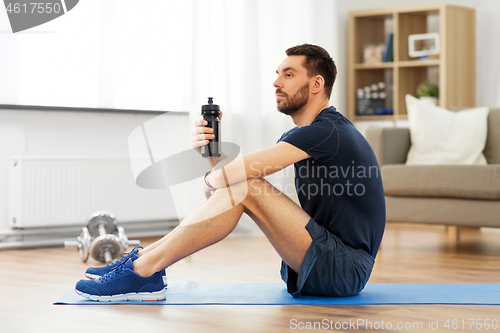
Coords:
439,136
451,181
492,148
390,144
450,211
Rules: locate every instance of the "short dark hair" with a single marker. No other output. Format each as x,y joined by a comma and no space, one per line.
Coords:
317,62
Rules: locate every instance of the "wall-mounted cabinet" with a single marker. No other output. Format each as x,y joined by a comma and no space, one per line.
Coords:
453,69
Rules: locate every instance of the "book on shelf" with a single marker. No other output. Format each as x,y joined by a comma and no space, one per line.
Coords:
388,52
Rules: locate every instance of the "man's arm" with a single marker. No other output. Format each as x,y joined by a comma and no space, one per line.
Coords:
257,164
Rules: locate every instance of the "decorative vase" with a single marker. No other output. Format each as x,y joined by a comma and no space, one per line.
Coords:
429,100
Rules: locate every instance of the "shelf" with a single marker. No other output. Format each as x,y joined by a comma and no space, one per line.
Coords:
374,66
375,117
453,71
418,63
408,63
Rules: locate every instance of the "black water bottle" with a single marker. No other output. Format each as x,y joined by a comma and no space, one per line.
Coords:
210,113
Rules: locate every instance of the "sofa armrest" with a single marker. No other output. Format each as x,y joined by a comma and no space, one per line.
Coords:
390,144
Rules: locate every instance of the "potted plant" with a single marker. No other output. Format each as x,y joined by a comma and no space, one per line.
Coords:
428,93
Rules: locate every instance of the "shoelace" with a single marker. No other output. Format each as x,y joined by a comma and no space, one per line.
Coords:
111,275
124,258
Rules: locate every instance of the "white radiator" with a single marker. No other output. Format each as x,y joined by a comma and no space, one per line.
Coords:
55,191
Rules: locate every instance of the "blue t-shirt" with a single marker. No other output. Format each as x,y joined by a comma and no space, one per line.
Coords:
340,187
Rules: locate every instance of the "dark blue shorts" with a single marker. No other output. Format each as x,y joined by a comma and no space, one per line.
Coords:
330,268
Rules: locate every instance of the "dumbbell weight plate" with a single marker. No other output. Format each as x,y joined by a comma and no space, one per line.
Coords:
105,243
105,218
123,237
84,244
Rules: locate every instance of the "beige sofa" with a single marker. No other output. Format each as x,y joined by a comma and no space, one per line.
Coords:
458,195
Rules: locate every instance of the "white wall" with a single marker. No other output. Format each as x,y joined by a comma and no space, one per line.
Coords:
69,134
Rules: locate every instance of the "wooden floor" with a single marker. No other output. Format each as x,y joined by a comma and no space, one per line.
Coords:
31,280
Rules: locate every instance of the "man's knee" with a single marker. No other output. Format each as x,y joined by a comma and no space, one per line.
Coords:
247,188
236,192
259,187
250,189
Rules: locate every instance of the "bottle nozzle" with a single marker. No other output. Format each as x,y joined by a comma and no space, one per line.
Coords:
210,108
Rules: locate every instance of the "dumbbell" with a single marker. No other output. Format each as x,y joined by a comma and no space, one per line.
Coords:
101,238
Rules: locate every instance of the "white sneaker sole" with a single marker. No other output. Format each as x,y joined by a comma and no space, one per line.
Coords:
148,297
92,277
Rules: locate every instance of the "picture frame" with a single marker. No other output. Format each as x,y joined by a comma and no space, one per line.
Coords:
420,45
373,54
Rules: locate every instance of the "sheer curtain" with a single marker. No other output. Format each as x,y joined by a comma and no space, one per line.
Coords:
237,47
168,55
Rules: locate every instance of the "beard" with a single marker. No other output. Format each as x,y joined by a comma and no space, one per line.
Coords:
291,105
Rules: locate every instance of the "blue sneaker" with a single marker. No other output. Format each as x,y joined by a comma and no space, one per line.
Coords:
123,284
95,272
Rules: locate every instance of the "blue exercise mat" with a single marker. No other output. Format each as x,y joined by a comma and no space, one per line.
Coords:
190,293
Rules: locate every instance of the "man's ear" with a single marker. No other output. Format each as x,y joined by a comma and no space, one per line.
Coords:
318,84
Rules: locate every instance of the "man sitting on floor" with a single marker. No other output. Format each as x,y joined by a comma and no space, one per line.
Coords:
328,244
